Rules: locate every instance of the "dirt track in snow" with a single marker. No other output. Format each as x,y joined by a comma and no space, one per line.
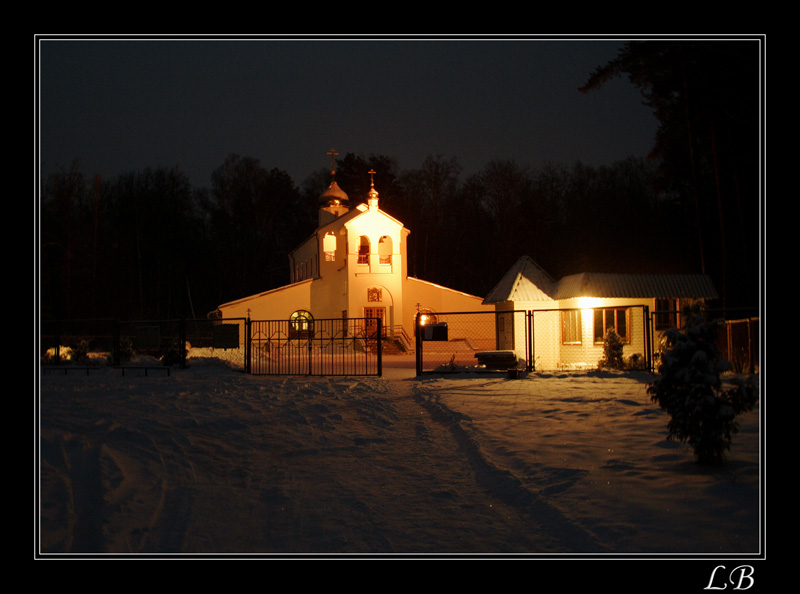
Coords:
189,464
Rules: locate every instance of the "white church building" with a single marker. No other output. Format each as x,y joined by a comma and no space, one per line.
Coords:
353,266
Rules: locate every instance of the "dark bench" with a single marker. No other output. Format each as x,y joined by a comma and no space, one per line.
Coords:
497,359
67,368
142,368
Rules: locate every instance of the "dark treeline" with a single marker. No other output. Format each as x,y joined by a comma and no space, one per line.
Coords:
706,95
147,244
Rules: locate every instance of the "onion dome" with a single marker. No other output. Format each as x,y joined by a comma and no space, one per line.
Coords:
334,196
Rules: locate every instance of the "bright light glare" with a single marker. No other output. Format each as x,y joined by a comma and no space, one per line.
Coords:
588,302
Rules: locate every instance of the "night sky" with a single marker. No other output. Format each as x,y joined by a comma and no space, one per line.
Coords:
120,105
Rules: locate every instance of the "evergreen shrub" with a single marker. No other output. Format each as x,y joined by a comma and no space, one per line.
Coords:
612,351
703,412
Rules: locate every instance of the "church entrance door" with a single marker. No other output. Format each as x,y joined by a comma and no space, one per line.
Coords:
373,314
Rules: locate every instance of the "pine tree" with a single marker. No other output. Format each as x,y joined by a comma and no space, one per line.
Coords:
612,351
703,412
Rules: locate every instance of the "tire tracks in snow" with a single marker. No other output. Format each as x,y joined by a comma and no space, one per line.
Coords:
505,485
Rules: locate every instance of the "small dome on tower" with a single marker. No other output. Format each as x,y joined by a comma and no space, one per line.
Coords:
373,193
334,196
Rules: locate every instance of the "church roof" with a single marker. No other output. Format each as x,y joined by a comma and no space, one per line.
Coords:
526,281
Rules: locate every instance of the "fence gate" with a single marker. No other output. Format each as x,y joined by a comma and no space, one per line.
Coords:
535,340
344,346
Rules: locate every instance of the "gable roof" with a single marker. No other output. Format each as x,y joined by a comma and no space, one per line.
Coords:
526,281
658,286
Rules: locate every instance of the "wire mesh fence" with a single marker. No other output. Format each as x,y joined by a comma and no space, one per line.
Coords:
553,339
739,344
738,338
452,341
563,339
530,339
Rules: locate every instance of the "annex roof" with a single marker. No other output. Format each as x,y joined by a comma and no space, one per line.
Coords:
527,281
658,286
524,281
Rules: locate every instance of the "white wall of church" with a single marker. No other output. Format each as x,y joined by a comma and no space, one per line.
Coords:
278,304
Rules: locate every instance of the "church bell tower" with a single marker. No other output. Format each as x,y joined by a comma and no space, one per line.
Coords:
334,202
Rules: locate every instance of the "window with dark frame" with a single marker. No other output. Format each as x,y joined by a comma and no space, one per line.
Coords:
666,314
606,319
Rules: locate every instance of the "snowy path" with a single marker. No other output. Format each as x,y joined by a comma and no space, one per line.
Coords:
289,465
220,462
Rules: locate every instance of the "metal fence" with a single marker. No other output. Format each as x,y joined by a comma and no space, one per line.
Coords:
521,339
738,338
450,341
279,347
739,344
121,342
561,339
344,346
539,340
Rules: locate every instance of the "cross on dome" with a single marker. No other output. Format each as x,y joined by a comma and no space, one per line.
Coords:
333,155
334,195
373,193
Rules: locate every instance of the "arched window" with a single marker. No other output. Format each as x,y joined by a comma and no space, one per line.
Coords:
329,247
363,250
301,323
385,249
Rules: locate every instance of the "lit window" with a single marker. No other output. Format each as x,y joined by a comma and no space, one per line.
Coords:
571,326
385,249
301,322
607,319
363,250
329,247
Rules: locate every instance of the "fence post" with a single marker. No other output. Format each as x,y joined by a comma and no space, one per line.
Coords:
418,344
529,340
117,343
380,347
58,342
648,336
182,342
246,344
310,349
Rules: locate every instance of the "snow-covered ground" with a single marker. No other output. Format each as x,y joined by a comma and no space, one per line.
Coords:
211,460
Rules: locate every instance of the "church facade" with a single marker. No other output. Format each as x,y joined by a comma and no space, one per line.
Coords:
353,266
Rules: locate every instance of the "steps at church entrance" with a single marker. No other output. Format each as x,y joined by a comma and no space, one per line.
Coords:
393,346
389,346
